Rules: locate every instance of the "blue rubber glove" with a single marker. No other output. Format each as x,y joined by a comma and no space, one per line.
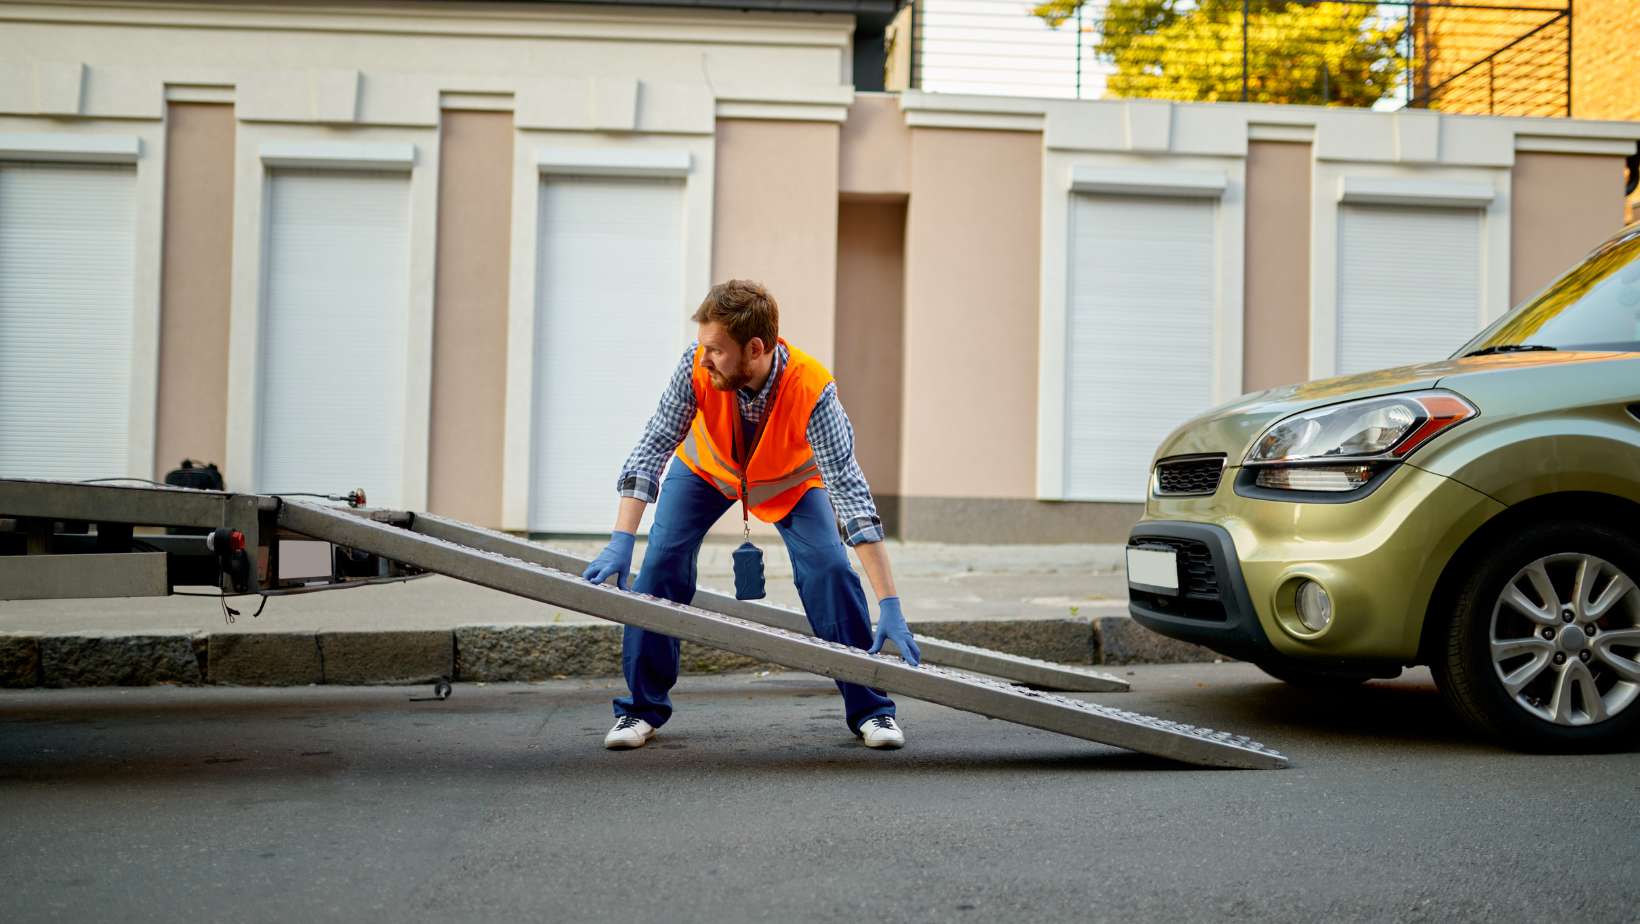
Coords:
616,558
891,627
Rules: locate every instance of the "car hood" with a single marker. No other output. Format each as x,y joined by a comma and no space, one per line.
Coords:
1231,428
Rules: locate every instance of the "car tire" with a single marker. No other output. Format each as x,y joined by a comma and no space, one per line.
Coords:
1309,678
1530,665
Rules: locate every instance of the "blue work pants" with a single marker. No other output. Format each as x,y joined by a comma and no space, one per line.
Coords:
830,590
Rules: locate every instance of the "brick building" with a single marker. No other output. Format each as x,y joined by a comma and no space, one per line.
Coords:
1514,60
1605,46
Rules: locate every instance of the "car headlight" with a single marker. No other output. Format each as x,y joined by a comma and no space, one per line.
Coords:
1340,448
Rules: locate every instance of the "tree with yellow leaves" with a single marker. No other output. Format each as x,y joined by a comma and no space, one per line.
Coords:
1339,54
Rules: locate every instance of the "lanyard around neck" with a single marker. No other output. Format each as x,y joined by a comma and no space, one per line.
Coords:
744,460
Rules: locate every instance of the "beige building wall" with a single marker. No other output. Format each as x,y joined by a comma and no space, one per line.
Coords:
775,220
195,285
1276,323
875,159
972,263
972,273
871,337
1564,205
469,379
874,179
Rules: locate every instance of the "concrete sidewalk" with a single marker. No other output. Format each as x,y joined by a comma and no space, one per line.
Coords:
1062,603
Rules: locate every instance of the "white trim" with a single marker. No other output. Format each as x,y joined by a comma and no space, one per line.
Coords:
145,152
920,100
1324,254
991,113
985,121
782,111
1149,181
1550,144
1058,169
307,146
1386,321
339,155
1566,128
1265,131
486,102
517,436
196,93
735,97
146,178
612,161
1223,129
418,375
583,219
1374,190
62,146
145,338
598,156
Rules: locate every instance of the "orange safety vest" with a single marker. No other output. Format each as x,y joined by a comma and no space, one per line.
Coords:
782,466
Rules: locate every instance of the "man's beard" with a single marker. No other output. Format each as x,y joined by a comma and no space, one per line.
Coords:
724,383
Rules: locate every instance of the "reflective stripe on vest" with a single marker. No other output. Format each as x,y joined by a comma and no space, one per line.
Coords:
690,450
758,492
761,492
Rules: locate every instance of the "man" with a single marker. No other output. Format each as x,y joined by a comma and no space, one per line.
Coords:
752,421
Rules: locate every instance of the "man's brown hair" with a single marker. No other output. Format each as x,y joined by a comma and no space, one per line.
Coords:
745,309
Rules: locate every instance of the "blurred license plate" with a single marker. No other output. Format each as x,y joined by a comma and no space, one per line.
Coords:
1153,569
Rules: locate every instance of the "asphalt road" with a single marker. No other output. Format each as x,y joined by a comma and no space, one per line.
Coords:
327,803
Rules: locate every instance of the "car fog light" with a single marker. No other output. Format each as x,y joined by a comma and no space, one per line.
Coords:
1315,477
1314,606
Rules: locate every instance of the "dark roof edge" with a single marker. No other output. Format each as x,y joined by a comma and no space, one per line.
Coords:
870,12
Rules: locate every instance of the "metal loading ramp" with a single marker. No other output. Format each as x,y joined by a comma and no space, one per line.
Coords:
534,581
1042,675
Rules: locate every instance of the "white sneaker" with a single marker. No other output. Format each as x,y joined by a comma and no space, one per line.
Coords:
629,732
881,732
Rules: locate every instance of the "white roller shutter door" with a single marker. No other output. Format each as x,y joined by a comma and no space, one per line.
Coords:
1139,338
609,303
334,329
1409,284
67,258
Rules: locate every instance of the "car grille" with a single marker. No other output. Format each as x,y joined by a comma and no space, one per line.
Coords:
1194,475
1198,580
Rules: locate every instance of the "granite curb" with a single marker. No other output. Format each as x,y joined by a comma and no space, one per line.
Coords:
487,653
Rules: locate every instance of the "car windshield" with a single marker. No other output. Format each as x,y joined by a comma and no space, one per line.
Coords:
1595,306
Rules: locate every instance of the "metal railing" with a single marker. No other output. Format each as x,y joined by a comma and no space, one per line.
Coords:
1454,55
1502,60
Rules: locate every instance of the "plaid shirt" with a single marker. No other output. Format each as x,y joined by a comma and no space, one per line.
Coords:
830,434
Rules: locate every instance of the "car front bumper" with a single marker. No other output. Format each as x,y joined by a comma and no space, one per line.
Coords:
1379,558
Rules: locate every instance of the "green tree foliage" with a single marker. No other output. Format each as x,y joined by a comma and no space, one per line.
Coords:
1340,54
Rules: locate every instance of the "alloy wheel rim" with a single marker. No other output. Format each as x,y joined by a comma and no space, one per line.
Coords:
1565,639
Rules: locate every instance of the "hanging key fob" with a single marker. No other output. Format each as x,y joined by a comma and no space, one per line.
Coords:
748,572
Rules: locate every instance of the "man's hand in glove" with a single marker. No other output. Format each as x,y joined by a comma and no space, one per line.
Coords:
616,558
891,627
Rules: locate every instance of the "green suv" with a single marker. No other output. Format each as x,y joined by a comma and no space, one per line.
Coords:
1480,515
